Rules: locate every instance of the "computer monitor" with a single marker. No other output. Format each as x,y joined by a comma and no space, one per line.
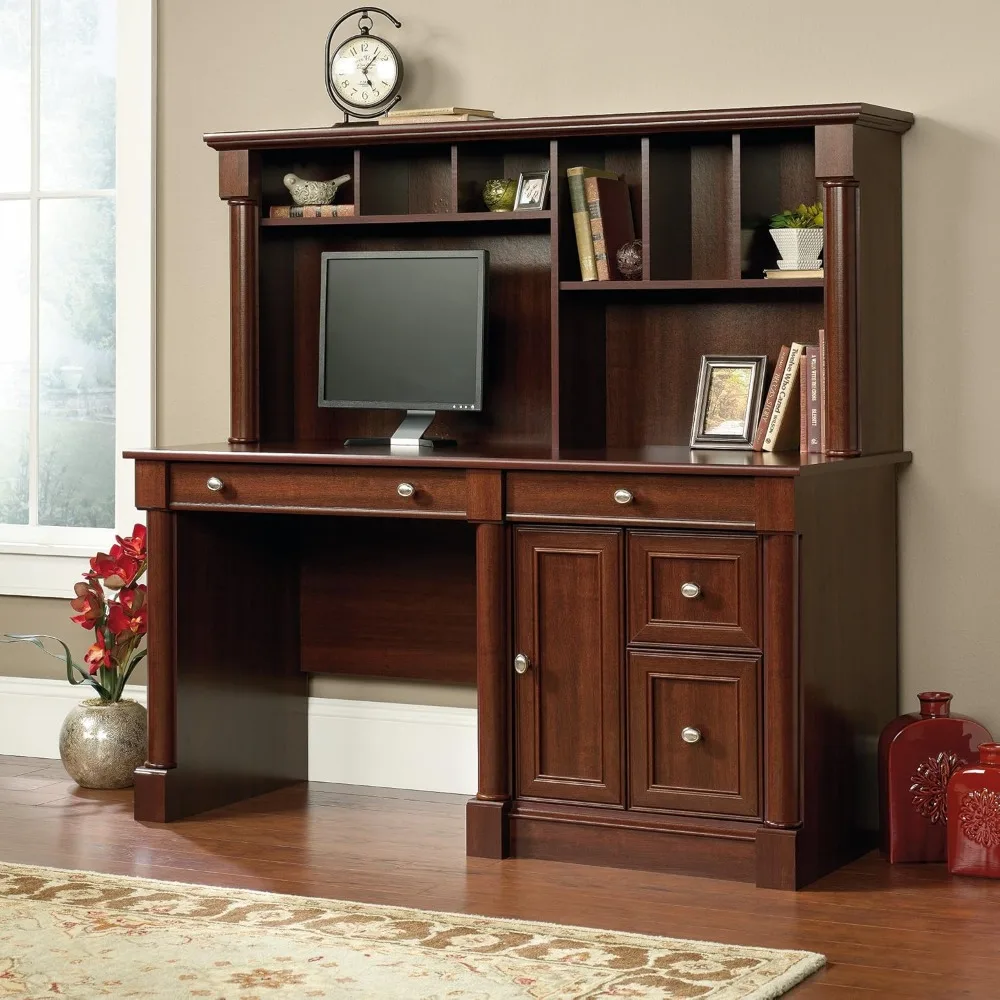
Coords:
403,330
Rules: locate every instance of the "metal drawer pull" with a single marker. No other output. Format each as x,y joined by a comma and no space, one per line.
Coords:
691,735
215,484
521,663
690,590
405,489
623,496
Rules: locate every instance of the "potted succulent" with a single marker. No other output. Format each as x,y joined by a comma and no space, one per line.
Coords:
103,739
798,234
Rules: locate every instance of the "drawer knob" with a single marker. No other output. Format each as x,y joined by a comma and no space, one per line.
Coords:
405,489
690,590
215,484
521,663
623,496
691,735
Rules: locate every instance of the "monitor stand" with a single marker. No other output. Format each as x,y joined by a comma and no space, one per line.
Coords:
408,438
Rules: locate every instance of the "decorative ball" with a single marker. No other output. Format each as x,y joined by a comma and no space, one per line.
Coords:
499,194
629,259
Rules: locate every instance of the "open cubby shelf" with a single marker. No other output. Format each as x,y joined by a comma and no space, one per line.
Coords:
594,365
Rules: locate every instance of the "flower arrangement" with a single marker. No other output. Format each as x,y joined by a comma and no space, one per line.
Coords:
111,601
803,217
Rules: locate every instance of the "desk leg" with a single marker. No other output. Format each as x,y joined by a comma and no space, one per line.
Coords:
487,822
227,700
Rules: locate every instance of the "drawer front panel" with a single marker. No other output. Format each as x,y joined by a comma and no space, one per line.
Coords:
693,590
628,498
693,733
435,493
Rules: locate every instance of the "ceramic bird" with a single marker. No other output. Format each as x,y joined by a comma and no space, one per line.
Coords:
305,192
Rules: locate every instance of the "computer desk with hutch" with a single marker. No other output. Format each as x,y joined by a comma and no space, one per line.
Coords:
550,558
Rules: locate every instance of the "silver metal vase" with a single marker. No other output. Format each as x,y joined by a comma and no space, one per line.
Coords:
102,743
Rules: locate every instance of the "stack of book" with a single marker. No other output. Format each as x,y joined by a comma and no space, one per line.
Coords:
425,116
810,273
602,219
310,211
792,415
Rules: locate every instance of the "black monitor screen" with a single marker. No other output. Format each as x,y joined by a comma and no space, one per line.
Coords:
403,329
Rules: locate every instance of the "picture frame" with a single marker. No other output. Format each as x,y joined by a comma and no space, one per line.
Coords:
532,190
728,401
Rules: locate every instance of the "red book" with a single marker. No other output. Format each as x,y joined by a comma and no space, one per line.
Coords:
772,395
611,223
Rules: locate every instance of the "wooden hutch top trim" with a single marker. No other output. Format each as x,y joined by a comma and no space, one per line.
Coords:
572,126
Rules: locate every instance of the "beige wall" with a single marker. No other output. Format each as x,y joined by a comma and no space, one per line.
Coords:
246,64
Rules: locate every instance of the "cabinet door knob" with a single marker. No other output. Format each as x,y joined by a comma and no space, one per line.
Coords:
691,735
215,484
623,496
521,663
405,489
690,590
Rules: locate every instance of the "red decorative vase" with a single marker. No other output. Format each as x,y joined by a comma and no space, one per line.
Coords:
918,753
974,816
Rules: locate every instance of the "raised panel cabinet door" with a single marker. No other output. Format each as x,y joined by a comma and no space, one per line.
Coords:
568,667
693,590
694,733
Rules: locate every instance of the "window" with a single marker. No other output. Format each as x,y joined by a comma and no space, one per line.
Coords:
76,244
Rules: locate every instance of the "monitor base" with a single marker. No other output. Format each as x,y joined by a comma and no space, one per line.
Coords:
408,438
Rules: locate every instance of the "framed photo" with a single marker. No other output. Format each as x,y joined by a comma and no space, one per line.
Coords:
532,189
727,406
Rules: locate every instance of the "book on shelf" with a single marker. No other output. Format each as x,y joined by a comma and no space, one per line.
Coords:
311,211
772,394
783,427
810,392
811,273
804,400
431,119
611,225
575,177
437,112
821,374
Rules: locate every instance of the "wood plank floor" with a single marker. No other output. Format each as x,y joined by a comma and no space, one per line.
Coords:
889,931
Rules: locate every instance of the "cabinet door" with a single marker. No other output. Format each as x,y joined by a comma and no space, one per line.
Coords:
567,605
693,733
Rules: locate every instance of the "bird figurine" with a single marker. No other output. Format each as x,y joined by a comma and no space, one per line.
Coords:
305,192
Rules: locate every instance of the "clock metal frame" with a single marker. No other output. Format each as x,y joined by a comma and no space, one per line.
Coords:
364,32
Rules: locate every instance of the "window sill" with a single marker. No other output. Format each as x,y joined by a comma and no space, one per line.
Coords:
42,571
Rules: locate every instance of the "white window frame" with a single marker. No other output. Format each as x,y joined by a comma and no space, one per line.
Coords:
37,561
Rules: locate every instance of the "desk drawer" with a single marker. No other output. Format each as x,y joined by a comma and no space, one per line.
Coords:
703,501
435,492
692,589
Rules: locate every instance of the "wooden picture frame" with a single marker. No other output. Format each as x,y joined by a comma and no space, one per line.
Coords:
728,401
532,190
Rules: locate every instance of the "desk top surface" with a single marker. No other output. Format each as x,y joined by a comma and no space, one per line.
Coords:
669,459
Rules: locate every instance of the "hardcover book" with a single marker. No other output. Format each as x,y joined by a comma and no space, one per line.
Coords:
581,217
811,273
310,211
783,429
772,394
437,112
389,119
811,394
804,401
611,224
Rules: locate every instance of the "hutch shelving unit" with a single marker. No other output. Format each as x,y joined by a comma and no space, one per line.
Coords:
620,721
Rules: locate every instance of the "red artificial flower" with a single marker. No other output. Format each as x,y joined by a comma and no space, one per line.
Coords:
135,545
116,568
98,655
128,613
89,603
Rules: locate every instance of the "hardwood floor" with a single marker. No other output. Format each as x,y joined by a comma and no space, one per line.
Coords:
891,931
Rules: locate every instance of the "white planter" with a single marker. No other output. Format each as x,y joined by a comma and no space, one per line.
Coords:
799,248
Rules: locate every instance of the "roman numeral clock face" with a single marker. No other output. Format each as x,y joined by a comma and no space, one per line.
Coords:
365,71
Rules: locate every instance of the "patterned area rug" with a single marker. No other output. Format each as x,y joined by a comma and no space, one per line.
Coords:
85,935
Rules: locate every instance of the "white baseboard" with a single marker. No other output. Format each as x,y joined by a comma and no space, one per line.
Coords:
419,747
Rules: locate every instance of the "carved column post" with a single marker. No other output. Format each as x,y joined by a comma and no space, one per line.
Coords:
782,806
239,184
841,327
161,661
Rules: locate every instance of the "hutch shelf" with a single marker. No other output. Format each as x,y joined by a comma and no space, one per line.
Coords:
552,557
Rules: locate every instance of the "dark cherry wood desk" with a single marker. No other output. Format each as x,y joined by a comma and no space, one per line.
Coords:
781,662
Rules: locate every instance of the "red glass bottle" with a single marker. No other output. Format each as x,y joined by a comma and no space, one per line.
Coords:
974,816
918,753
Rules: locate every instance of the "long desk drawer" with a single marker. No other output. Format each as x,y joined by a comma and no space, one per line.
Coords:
629,498
402,492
